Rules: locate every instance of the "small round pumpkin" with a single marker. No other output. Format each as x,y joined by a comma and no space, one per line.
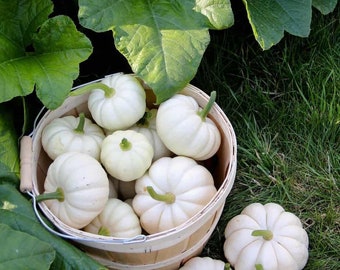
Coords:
118,102
71,133
76,189
206,263
185,128
117,219
126,154
266,237
171,192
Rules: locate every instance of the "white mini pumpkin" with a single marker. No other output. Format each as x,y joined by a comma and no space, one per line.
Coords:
117,219
71,133
126,154
266,237
118,102
171,192
204,263
76,189
186,129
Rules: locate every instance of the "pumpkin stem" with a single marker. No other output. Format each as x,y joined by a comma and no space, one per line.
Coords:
145,120
259,266
125,145
81,124
168,197
266,234
227,266
104,231
56,195
205,111
109,91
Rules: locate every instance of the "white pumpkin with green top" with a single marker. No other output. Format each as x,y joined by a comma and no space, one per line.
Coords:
117,219
71,133
171,192
76,189
185,128
116,102
266,237
126,154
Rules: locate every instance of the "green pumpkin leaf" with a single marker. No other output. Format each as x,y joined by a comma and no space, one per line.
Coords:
9,152
325,6
20,250
219,13
37,53
269,19
163,41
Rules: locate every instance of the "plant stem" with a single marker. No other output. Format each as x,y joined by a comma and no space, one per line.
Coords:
56,195
104,231
109,91
81,124
205,111
259,267
168,197
227,266
145,120
266,234
125,145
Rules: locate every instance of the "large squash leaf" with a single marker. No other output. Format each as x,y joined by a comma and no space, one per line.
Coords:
47,60
269,19
22,250
325,6
9,153
163,41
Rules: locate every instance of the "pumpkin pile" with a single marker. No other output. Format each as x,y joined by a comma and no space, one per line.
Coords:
125,169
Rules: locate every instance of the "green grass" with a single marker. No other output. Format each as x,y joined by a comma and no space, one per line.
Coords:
284,105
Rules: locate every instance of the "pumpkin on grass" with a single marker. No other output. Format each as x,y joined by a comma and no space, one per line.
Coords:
204,263
266,237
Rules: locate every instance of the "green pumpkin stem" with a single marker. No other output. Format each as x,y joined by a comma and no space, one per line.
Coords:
125,145
109,91
104,231
168,197
81,124
227,266
56,195
205,111
259,267
145,120
266,234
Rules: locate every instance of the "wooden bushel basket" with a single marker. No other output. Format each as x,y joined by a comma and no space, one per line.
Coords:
165,250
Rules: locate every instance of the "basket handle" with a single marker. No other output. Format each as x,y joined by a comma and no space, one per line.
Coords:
26,164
